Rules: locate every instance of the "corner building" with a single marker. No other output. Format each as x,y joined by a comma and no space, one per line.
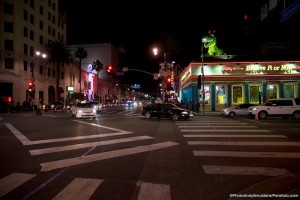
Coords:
237,80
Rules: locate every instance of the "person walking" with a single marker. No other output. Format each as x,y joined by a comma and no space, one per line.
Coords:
38,108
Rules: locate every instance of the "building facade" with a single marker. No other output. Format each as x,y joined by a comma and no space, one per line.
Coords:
231,82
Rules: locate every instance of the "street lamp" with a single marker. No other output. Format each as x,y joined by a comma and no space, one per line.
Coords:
202,72
38,54
155,52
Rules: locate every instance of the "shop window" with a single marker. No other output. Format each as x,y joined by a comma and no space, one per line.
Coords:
207,95
220,94
272,92
237,95
289,91
254,94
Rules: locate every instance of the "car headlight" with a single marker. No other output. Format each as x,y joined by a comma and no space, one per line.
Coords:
80,111
254,109
94,110
184,112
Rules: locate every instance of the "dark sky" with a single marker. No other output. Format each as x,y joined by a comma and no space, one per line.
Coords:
137,26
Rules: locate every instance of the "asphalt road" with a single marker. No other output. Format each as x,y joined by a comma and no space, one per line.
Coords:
123,156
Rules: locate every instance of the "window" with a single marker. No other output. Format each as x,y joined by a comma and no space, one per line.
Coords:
49,30
8,45
25,32
220,94
32,3
41,39
41,69
8,27
237,94
31,19
9,63
254,94
25,49
53,32
289,91
31,35
53,19
207,95
49,72
49,16
41,25
31,51
8,8
53,73
53,5
272,92
25,15
25,65
41,10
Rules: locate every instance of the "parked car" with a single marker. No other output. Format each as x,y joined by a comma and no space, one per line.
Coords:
166,110
238,110
56,105
282,107
83,110
97,105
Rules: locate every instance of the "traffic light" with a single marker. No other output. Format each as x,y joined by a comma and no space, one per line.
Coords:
109,69
199,81
30,86
168,83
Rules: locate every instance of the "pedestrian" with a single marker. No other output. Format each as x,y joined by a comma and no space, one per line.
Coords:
38,109
197,107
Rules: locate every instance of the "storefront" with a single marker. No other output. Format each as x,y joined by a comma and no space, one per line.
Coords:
231,82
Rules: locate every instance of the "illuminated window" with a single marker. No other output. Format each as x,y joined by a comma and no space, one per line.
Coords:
207,95
254,94
289,91
272,92
237,95
221,94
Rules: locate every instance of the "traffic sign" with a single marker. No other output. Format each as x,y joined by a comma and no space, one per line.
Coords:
291,10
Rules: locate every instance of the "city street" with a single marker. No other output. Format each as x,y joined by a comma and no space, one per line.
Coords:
120,155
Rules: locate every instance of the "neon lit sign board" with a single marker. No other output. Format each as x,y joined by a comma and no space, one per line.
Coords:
253,68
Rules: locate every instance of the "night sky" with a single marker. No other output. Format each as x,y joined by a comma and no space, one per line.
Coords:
138,26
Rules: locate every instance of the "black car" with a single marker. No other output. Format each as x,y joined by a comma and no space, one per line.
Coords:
166,110
56,105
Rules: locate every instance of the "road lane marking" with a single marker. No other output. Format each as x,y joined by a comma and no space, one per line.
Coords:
48,166
85,145
241,170
213,126
150,191
13,181
236,136
79,188
248,154
244,143
223,130
23,139
93,124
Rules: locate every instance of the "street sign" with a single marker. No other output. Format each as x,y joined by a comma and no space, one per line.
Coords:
291,10
155,76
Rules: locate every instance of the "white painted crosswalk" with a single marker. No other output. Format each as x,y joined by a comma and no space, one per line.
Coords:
217,132
84,188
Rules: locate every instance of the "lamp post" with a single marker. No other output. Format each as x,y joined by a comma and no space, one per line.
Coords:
202,72
155,52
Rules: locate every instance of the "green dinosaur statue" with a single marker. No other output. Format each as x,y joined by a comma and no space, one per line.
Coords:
210,42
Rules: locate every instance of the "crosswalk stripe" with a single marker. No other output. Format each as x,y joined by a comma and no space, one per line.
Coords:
222,126
242,170
23,139
244,143
13,181
233,136
105,155
223,130
79,188
150,191
248,154
85,145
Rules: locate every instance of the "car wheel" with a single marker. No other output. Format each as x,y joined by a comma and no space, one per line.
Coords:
262,115
148,115
175,117
296,115
231,114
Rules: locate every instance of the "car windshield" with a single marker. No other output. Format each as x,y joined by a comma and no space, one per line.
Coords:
84,105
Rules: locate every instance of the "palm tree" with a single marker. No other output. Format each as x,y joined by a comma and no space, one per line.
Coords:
97,65
81,54
59,55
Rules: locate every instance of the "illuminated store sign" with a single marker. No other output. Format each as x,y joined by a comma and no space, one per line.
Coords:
185,75
254,68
